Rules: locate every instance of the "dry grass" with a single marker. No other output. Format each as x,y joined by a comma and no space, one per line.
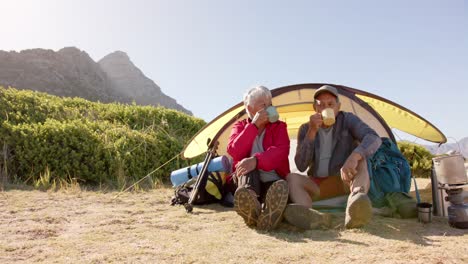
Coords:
75,226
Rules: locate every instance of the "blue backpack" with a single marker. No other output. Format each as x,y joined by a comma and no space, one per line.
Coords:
389,172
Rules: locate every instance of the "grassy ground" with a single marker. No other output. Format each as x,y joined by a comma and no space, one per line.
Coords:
74,226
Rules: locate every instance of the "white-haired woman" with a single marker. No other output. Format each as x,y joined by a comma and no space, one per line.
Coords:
259,146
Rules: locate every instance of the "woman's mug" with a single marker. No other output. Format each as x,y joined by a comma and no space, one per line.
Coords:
328,116
273,115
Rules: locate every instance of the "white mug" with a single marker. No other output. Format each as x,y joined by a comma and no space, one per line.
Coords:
273,115
328,116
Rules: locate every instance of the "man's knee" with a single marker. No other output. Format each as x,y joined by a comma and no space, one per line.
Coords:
293,179
362,178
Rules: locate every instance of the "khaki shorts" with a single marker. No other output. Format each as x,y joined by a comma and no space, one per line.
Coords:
331,186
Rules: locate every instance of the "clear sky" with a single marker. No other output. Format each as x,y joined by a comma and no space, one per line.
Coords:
207,53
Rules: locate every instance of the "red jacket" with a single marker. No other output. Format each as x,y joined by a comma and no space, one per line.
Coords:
275,145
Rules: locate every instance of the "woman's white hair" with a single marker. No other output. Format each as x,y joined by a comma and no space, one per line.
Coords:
255,93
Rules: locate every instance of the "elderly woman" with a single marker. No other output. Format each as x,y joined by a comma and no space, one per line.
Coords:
259,147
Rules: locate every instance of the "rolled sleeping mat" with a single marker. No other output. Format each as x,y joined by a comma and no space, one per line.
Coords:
221,164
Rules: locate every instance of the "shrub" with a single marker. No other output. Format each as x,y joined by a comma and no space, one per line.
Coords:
93,143
419,158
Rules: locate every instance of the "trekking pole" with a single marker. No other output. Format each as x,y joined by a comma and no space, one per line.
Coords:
202,176
416,189
418,197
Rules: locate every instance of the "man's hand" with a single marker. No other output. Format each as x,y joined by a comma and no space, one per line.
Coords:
315,121
261,118
245,166
349,169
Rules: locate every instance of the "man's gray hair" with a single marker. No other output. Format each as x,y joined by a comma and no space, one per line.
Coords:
255,93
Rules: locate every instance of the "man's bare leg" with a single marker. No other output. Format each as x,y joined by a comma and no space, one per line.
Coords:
302,189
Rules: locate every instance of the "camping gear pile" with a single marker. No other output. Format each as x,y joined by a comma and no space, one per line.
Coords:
202,183
449,175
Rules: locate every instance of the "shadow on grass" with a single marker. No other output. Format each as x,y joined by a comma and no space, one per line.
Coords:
290,233
411,230
206,209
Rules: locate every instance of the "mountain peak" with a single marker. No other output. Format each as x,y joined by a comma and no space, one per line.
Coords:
70,50
125,77
120,60
117,55
73,52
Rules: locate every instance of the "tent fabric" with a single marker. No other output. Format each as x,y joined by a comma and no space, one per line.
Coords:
294,105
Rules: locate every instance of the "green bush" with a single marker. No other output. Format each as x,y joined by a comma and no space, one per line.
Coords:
419,158
93,143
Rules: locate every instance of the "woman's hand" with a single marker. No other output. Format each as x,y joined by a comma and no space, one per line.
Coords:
245,166
261,118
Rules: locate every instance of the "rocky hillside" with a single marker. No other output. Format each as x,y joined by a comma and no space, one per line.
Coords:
73,73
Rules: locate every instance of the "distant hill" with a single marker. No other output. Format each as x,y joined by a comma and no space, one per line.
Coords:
461,147
71,72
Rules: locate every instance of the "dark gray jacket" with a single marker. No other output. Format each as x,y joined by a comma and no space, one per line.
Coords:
350,134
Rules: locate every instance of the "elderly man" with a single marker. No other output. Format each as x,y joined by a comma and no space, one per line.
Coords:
259,147
335,154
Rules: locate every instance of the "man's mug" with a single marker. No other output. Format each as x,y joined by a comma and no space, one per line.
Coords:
273,115
328,116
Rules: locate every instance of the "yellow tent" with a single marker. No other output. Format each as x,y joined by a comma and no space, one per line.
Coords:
294,104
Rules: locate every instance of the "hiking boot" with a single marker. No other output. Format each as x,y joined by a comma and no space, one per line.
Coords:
247,205
306,218
358,210
403,204
275,202
383,211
